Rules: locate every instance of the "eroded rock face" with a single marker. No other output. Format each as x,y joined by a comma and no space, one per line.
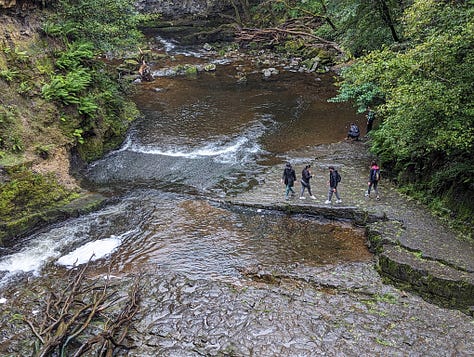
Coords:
7,3
177,9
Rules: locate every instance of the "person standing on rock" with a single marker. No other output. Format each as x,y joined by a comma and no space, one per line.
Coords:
334,179
374,177
289,178
305,177
370,119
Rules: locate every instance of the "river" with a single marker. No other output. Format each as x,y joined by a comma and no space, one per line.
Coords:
223,281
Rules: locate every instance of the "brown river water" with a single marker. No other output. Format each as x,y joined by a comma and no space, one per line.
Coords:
221,281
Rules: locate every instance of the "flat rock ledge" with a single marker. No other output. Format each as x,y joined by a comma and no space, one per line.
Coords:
437,281
413,249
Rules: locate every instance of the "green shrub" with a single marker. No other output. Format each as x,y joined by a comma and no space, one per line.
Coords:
67,88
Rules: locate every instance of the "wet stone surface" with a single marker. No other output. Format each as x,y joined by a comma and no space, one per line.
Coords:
338,310
422,240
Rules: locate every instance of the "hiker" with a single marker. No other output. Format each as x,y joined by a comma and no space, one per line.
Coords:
145,72
374,177
288,178
370,119
305,177
334,179
354,132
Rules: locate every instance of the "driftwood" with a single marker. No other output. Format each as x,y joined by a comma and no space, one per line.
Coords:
78,315
295,28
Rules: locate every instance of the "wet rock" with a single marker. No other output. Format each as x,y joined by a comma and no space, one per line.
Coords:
268,72
207,47
210,67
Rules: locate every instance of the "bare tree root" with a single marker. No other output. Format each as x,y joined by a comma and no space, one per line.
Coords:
295,28
84,313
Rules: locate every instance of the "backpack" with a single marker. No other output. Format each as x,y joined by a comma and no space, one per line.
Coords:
377,174
338,177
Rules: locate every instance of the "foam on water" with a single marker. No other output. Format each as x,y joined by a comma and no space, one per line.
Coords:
237,150
172,47
51,245
90,252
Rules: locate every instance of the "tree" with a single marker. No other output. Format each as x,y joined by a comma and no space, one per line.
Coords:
424,91
364,25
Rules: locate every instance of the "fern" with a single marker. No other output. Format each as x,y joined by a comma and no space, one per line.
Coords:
76,53
66,88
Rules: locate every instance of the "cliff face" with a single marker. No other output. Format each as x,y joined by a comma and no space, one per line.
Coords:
171,9
7,3
22,4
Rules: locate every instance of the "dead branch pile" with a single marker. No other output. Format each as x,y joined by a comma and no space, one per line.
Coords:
300,28
84,315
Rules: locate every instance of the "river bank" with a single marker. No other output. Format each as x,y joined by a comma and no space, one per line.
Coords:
413,249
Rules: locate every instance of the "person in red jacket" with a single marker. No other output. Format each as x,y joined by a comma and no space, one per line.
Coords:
374,177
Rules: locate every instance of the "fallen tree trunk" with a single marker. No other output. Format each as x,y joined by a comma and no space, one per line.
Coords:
276,35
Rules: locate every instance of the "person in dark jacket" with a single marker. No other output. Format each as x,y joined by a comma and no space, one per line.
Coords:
305,177
374,177
334,179
370,120
354,132
289,178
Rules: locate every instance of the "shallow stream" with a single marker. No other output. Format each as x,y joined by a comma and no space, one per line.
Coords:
227,281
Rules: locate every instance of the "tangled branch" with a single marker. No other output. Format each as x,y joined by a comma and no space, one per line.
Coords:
294,28
75,314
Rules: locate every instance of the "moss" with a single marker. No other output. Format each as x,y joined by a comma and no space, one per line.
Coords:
450,293
26,192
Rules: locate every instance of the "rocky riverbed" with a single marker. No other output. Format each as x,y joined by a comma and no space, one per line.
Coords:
414,249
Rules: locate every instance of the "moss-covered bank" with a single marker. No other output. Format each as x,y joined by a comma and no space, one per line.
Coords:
58,96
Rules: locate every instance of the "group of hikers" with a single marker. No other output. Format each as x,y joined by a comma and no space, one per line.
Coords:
289,175
289,179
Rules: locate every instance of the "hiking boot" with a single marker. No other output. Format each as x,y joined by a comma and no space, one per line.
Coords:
338,201
327,202
313,197
302,198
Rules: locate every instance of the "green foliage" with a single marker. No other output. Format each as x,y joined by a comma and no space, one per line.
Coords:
365,25
424,94
8,75
358,25
78,134
67,87
27,192
75,55
9,137
80,80
109,25
87,105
